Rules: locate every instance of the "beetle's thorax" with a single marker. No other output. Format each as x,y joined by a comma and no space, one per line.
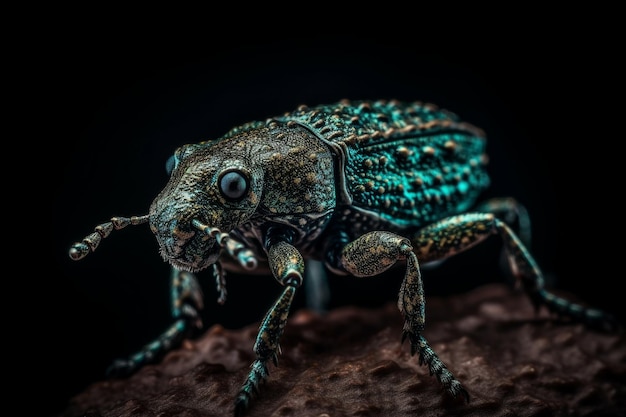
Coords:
298,174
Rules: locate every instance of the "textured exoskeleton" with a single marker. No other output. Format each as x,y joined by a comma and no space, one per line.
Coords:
358,186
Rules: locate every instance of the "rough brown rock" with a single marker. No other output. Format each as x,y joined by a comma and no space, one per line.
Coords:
350,362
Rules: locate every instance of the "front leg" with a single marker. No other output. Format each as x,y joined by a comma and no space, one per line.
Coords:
372,254
287,266
186,298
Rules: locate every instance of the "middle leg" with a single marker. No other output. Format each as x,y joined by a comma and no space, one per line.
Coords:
372,254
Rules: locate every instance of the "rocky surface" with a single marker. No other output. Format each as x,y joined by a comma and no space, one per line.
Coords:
350,362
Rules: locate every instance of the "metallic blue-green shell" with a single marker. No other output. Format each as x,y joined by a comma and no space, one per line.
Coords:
409,163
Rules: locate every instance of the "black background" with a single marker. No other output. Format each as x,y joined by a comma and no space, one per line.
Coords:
114,105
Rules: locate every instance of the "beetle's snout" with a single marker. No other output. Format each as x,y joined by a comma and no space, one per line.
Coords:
170,235
183,245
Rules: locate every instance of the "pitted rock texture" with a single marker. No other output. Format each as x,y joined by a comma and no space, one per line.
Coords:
350,362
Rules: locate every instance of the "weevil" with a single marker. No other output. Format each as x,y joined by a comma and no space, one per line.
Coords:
358,186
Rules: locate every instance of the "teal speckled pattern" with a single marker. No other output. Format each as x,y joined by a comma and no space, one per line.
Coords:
410,163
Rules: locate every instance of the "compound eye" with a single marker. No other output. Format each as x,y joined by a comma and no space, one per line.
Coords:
170,164
233,184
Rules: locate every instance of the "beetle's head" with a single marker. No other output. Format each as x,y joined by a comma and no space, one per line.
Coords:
213,188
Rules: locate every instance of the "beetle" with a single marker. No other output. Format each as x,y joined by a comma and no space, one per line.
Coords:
359,186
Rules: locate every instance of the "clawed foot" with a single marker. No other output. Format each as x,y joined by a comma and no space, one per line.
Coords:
242,403
603,321
121,368
258,374
427,356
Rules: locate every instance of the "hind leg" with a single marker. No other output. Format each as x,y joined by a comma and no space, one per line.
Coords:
458,233
512,213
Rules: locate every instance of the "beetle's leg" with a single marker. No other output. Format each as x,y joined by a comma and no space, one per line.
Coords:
372,254
186,297
457,233
287,266
316,286
516,217
512,213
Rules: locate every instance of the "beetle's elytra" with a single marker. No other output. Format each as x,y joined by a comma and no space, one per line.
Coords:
359,186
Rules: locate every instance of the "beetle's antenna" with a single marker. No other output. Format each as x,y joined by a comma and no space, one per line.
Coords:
89,244
234,248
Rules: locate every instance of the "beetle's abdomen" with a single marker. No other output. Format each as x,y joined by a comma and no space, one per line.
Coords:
417,180
409,163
